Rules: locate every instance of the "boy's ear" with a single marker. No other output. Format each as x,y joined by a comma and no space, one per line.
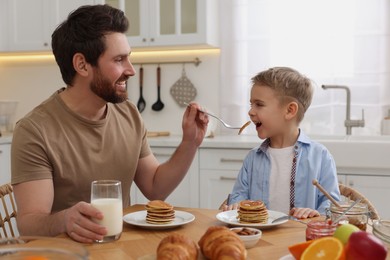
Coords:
292,110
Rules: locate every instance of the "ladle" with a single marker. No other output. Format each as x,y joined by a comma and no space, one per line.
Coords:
159,105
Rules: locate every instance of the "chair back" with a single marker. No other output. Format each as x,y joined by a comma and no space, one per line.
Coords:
353,194
7,212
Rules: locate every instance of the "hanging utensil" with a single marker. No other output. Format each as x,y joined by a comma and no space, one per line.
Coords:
159,105
183,91
141,101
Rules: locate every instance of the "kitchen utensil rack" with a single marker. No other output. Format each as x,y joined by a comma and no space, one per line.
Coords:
196,62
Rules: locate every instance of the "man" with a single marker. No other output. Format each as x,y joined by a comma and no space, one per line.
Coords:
89,131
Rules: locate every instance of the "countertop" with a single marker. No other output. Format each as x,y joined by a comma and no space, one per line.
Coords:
222,141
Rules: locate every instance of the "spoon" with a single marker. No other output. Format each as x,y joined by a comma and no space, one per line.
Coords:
141,101
159,105
220,120
347,210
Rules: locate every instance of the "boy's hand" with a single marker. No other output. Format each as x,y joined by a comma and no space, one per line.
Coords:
230,207
302,213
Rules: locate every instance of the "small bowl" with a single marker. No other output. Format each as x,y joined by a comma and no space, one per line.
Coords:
250,236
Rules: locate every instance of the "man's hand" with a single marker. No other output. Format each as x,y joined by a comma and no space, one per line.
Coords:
194,124
79,225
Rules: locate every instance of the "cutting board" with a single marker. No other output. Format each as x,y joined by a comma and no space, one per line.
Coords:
157,134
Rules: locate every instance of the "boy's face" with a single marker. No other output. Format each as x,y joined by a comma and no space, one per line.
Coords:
267,112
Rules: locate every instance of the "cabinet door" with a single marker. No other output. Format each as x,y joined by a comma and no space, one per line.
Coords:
33,22
157,23
375,188
29,25
186,193
5,163
218,172
215,185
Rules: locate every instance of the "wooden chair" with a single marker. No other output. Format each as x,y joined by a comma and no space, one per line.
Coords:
353,194
7,211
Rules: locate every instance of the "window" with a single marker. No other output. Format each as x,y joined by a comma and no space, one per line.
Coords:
333,42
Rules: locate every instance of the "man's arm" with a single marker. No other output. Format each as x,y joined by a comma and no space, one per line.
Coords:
34,201
157,181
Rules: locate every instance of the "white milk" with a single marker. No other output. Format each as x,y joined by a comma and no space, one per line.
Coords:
112,212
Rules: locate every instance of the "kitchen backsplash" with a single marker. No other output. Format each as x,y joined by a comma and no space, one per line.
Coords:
32,82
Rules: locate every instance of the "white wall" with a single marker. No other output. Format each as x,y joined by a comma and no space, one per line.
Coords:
31,82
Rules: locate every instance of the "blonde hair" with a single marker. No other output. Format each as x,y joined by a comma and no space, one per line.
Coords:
288,84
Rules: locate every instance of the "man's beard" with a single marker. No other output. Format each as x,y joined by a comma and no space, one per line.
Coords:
103,88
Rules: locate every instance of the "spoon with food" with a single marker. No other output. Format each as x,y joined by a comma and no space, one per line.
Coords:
223,122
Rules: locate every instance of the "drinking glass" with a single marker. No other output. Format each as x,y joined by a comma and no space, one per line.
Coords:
106,196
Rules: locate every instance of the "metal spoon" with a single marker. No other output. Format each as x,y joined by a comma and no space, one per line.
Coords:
141,101
220,120
159,105
346,211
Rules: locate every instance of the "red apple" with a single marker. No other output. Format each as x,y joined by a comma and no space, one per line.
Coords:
362,246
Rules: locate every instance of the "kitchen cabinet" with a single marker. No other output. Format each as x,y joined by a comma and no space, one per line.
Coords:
31,23
170,23
186,194
5,163
218,170
374,187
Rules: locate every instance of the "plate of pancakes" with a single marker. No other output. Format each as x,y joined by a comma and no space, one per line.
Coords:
158,215
251,214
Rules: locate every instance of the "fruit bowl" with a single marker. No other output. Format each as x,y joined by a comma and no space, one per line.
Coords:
250,236
42,248
381,229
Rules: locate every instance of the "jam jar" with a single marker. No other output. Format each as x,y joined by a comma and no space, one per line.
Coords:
357,216
319,228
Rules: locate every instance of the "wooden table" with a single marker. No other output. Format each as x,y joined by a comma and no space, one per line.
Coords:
137,242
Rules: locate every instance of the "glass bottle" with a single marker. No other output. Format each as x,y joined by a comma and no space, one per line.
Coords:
357,216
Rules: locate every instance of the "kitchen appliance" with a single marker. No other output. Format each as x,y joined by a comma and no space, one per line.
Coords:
7,114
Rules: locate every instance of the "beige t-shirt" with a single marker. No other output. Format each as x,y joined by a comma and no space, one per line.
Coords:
52,142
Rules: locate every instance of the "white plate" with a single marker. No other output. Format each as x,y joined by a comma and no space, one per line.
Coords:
287,257
230,217
139,219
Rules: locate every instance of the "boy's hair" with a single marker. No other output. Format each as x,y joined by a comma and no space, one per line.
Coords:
84,32
289,84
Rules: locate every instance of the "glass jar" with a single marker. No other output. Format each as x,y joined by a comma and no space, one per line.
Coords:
357,216
319,228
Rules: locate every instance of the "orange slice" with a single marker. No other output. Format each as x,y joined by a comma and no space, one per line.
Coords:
297,249
324,248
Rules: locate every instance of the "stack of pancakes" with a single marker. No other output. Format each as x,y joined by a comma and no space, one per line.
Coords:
159,212
252,212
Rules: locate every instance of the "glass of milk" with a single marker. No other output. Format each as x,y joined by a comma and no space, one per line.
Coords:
106,196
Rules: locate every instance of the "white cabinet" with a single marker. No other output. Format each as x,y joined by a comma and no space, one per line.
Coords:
170,23
31,22
5,163
218,171
186,194
374,187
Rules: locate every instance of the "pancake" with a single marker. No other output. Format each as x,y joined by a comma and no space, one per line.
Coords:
251,212
159,212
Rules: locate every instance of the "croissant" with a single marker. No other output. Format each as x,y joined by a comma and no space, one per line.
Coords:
177,247
220,243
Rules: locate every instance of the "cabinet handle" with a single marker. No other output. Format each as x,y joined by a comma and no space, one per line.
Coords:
152,39
1,151
45,44
223,178
350,183
143,39
224,160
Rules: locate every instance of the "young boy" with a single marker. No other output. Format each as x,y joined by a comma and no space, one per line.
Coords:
280,171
